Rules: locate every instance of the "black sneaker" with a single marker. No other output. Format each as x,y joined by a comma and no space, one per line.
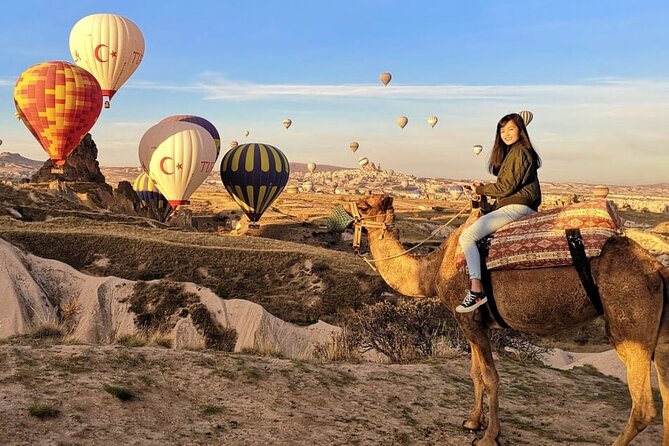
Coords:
472,301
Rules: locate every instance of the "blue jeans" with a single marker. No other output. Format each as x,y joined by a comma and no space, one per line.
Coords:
486,225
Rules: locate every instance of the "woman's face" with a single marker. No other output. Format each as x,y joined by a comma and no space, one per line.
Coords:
509,133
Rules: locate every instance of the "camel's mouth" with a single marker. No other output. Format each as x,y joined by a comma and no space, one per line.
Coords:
339,219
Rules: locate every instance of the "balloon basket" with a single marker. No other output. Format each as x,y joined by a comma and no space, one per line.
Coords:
107,104
57,170
254,225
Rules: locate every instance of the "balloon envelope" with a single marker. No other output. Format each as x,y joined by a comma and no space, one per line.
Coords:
385,78
307,186
59,103
208,126
432,120
455,191
150,196
311,167
363,161
109,46
246,133
233,144
354,146
254,175
156,135
287,123
600,191
527,116
402,121
477,149
182,162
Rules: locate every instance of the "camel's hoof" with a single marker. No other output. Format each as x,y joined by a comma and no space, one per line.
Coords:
471,426
475,442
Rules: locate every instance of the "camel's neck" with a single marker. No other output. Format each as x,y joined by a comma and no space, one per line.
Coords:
406,273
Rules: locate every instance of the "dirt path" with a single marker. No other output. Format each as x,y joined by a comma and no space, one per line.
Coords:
205,398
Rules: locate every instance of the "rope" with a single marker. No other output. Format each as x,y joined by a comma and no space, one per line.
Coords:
370,261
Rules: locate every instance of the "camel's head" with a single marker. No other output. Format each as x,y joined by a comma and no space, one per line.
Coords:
377,207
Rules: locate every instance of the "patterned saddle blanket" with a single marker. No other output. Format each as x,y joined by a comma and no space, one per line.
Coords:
539,240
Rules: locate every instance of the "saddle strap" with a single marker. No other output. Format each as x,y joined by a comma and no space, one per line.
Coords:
582,265
484,246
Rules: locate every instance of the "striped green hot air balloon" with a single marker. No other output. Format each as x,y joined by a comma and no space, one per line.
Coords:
150,196
254,175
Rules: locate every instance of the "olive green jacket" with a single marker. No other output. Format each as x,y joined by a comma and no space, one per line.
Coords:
517,180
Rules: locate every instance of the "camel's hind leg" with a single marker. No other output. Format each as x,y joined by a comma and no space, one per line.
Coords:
662,363
637,359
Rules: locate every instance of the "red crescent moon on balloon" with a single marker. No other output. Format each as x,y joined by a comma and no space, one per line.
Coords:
162,165
97,52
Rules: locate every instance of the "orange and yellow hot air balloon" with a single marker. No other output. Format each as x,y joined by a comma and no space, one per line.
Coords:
59,103
110,46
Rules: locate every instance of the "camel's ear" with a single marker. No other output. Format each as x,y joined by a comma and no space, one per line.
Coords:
386,203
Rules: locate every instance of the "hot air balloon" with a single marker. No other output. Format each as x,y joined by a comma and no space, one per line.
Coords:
477,149
59,103
254,175
150,196
233,144
182,162
208,126
600,191
527,116
432,120
110,47
390,171
311,167
292,189
363,161
354,146
0,142
402,121
455,191
246,133
307,186
385,78
404,183
287,123
156,135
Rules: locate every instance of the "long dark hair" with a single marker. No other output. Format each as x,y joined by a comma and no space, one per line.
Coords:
500,149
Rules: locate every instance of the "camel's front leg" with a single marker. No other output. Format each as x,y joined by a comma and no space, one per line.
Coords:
483,351
476,418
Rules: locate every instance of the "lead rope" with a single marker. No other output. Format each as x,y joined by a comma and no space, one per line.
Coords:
432,234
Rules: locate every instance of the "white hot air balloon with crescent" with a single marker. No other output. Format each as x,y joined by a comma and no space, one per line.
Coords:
311,167
182,162
477,149
432,121
110,47
156,135
527,116
402,121
287,123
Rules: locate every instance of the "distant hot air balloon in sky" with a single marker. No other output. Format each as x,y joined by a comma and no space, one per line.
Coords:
455,191
385,78
0,142
110,47
402,121
287,123
150,196
233,144
59,103
354,146
363,161
527,116
311,167
254,175
600,191
208,126
307,186
246,133
432,120
477,149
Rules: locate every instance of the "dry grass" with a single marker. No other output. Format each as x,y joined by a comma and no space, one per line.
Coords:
342,346
43,410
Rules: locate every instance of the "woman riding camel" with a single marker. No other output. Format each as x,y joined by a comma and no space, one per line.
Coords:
517,192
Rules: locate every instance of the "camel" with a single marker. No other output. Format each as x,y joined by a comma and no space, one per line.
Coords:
632,284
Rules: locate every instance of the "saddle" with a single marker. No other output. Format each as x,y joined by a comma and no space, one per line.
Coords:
539,240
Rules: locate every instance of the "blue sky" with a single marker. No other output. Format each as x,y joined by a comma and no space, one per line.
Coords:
594,73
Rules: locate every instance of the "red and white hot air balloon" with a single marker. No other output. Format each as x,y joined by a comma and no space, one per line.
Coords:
182,162
110,47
